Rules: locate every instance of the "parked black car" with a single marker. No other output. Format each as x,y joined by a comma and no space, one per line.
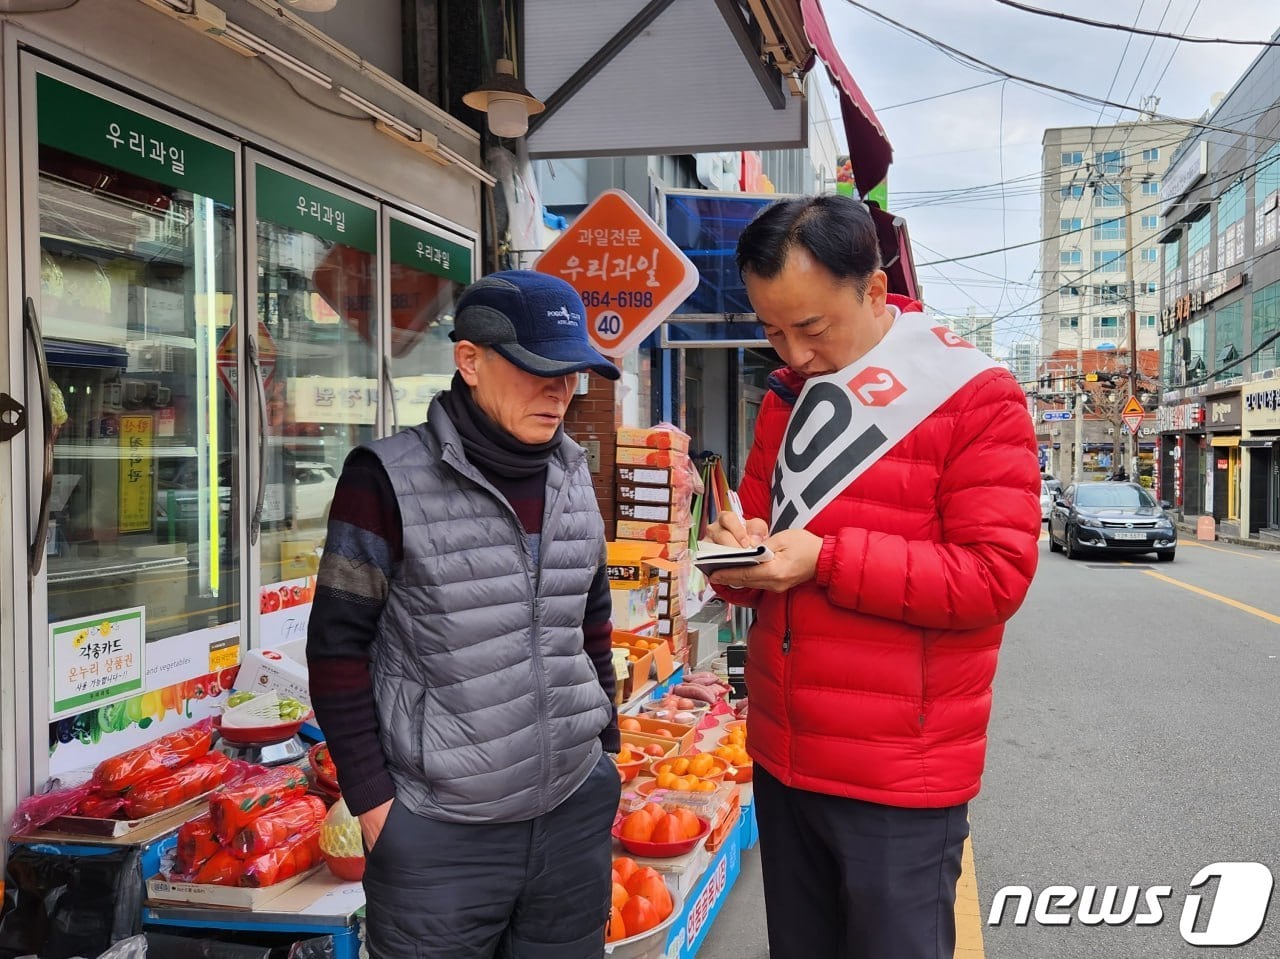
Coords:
1110,517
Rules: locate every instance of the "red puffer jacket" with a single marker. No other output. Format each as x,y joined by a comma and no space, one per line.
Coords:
883,691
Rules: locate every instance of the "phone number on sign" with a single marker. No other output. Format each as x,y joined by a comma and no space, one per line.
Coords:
623,299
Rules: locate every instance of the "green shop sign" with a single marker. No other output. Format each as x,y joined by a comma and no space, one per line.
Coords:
430,252
78,122
294,203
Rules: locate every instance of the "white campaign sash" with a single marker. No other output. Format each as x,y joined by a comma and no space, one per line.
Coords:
844,422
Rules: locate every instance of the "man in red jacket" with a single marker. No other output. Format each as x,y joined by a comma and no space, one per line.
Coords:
895,478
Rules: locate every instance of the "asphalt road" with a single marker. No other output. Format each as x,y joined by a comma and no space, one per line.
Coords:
1135,740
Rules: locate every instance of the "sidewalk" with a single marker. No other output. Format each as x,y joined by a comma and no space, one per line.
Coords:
1190,530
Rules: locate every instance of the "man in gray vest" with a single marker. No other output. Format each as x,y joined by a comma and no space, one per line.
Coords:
459,649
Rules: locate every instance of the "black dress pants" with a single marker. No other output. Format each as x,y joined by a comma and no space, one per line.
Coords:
846,879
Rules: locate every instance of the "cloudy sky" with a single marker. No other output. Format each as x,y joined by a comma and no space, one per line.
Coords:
993,133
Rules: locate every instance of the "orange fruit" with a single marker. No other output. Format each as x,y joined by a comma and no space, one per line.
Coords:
704,786
667,780
625,867
639,915
638,826
702,764
629,724
664,733
688,821
617,929
668,829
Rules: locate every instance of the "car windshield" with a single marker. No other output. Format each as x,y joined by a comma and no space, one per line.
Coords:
1113,495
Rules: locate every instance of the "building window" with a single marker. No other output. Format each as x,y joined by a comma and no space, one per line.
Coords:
1151,222
1109,161
1108,229
1148,321
1109,261
1150,255
1072,225
1266,322
1070,258
1072,159
1108,194
1231,225
1105,327
1228,341
1068,322
1107,293
1151,155
1151,286
1069,291
1073,191
1151,188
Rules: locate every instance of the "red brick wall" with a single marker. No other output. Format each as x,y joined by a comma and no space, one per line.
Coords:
594,417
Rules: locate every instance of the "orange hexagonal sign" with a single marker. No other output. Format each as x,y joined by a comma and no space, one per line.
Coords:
631,276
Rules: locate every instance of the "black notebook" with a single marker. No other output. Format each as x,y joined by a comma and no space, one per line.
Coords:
711,557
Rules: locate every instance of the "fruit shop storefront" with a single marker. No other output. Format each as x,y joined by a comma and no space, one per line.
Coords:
228,255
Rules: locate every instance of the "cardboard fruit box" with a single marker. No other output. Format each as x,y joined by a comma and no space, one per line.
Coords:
664,459
160,889
670,747
638,673
627,563
663,662
684,736
653,438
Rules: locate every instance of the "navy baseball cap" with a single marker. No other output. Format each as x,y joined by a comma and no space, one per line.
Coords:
533,320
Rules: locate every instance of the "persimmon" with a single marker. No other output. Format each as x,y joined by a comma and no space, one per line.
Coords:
655,890
639,877
655,811
637,826
620,895
639,915
689,823
629,724
667,829
664,733
625,867
617,928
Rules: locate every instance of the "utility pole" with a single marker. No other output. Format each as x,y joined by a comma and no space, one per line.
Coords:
1077,472
1127,191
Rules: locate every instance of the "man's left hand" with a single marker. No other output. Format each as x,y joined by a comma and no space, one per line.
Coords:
795,561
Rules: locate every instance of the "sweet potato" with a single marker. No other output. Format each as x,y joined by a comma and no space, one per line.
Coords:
233,809
278,826
174,788
168,752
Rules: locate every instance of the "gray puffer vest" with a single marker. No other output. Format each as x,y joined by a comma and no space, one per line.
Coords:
489,709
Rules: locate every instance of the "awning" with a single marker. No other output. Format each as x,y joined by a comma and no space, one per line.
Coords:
1225,441
1258,444
895,253
869,150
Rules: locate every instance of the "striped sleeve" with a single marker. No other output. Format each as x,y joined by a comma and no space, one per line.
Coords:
362,549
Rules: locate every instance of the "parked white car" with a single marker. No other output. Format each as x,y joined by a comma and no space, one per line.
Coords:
1046,501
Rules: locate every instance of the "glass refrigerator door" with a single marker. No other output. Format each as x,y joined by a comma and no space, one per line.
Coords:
429,268
131,248
317,352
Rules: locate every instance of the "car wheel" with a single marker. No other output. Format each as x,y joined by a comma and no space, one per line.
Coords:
1165,555
1068,544
1054,546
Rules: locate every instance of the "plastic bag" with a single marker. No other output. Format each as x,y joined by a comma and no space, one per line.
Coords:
275,827
63,906
171,789
234,808
168,752
34,811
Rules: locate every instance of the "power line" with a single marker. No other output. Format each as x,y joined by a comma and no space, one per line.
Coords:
936,96
975,63
1180,37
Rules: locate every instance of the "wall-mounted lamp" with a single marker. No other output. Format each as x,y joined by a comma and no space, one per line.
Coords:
506,101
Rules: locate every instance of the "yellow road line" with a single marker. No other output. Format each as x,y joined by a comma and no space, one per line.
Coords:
1234,603
968,910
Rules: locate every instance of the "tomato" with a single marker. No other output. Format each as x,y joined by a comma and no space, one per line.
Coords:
617,929
639,915
625,867
653,889
227,678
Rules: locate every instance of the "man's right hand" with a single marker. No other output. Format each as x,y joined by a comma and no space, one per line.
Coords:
730,529
371,823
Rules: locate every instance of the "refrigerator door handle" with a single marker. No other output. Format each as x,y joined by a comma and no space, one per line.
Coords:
260,388
35,555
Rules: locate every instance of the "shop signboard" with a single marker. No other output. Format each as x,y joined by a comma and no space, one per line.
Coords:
96,660
299,205
630,274
78,122
429,252
1262,408
137,471
1180,418
706,900
1223,414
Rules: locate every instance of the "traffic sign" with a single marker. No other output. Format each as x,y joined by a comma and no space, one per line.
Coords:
228,367
630,274
1053,416
1132,415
